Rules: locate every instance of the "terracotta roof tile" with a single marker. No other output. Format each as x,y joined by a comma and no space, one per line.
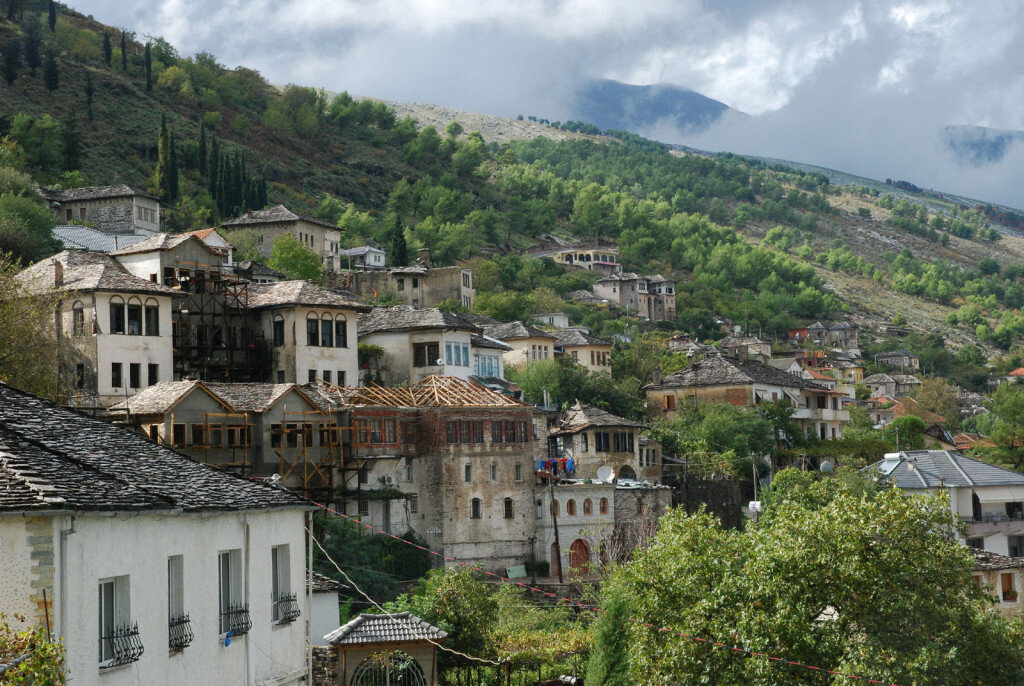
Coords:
403,627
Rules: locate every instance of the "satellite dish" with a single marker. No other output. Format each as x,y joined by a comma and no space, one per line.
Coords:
826,467
605,474
440,362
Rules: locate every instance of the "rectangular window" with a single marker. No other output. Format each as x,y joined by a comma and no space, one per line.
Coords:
312,376
401,284
521,435
341,334
114,615
116,318
601,441
341,377
584,442
152,374
326,375
116,374
363,507
278,332
477,427
152,320
414,504
80,376
135,320
292,435
390,435
78,321
280,376
363,475
415,282
197,434
465,355
312,333
229,573
326,333
519,472
467,473
135,375
494,472
448,353
452,432
280,583
376,436
425,354
175,586
496,434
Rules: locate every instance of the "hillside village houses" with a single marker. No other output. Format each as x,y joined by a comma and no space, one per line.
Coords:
155,569
320,236
111,209
651,297
604,260
363,257
905,361
892,386
588,351
416,286
527,342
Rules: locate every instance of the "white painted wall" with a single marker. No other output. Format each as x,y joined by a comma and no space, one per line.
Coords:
15,563
143,350
324,616
398,354
295,358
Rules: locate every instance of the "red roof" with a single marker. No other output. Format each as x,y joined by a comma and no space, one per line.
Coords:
908,406
1019,371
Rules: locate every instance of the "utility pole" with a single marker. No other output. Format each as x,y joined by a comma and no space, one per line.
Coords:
554,520
533,560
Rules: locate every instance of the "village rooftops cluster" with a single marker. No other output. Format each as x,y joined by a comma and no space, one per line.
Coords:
162,398
274,215
57,459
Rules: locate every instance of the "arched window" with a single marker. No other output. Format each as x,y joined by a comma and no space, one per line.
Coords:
554,508
78,318
603,506
340,331
152,317
278,330
508,508
588,507
326,330
134,317
570,508
475,509
540,508
116,315
312,330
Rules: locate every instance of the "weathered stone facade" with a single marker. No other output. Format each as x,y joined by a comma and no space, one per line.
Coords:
325,666
416,286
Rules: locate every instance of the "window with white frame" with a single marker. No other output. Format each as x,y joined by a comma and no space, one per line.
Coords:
285,604
118,638
234,615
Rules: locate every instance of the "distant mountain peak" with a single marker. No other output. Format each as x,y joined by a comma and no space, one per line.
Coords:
978,146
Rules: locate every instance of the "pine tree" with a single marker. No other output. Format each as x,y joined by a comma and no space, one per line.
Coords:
399,249
32,56
609,661
163,162
172,169
72,141
11,60
124,52
50,76
88,95
149,68
202,149
108,51
262,198
52,18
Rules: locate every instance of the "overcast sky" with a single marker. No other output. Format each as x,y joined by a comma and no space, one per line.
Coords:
860,86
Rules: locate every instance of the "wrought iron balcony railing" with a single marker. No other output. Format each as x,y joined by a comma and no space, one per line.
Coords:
123,645
235,619
286,608
179,633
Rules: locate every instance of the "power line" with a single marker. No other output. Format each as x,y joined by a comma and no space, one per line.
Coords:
569,601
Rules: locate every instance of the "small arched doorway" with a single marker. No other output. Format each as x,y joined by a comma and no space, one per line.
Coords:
579,554
389,668
556,562
626,472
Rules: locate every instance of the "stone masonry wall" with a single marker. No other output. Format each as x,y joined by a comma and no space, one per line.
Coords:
325,666
39,532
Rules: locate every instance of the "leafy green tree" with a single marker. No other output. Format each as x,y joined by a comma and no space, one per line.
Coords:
51,77
398,249
45,662
148,61
203,153
454,129
172,168
40,141
246,244
162,172
72,141
907,432
294,260
1008,429
88,95
108,50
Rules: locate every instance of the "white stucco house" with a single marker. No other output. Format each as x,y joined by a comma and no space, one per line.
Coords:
150,567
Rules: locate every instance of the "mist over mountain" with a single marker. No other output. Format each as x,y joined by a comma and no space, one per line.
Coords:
611,104
978,146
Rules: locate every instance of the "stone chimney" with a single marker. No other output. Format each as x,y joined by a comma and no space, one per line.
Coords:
656,375
58,274
423,255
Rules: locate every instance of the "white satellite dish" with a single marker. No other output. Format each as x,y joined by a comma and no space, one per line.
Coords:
440,362
605,474
827,467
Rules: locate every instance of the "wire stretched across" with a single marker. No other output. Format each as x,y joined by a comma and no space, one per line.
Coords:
569,601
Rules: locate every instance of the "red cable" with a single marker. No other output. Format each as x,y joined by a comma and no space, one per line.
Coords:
570,601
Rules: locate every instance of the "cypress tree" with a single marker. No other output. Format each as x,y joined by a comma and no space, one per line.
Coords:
222,185
50,76
213,168
88,95
202,149
124,53
72,141
262,198
52,18
162,172
149,68
609,661
172,168
108,51
11,60
32,57
399,249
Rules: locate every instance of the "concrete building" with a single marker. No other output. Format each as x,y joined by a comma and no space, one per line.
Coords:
363,257
117,327
155,569
419,286
322,237
111,209
559,320
589,351
527,342
324,606
989,499
746,383
651,297
590,438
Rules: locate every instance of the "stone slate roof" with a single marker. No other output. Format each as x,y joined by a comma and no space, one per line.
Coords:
301,293
90,193
161,398
906,379
406,318
942,468
573,337
895,353
732,341
892,378
324,584
511,331
719,370
84,238
251,397
254,268
403,627
86,271
361,250
487,342
580,417
275,214
157,399
164,241
52,458
989,561
879,378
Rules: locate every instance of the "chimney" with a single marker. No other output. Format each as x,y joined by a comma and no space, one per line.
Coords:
656,375
423,255
58,274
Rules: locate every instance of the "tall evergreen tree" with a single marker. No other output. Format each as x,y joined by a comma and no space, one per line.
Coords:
262,198
124,52
52,18
11,60
172,168
88,95
202,149
163,162
108,50
609,659
213,169
149,67
72,141
50,76
32,57
399,249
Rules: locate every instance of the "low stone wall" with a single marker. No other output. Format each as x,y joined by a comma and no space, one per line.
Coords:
325,666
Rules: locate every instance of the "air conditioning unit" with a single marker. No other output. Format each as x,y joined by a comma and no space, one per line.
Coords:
389,480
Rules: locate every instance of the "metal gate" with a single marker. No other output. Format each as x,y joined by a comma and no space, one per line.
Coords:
389,668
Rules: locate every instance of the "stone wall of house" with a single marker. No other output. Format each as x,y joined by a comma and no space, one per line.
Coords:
325,666
720,496
109,216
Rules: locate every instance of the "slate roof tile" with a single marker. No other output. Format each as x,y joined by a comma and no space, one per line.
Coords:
301,293
918,469
511,331
580,417
275,214
85,238
86,271
720,370
90,193
405,318
572,337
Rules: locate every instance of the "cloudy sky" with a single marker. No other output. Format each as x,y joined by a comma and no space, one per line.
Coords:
865,87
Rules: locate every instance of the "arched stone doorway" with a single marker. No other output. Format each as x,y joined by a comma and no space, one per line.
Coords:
389,668
579,554
626,472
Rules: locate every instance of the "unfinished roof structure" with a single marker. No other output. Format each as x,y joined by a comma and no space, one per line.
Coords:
433,391
401,628
580,417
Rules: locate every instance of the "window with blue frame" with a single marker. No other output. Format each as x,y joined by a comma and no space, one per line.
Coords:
448,353
465,354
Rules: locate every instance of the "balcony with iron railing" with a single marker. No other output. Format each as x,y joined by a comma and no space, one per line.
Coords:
235,619
121,646
286,608
179,631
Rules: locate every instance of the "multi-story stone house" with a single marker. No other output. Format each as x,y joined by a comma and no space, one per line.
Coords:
652,297
149,567
892,386
417,286
111,209
584,349
363,257
587,438
527,342
751,346
817,410
320,236
905,361
842,335
117,327
1003,577
603,260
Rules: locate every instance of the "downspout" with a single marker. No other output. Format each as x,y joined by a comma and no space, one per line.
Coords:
245,585
309,597
62,584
